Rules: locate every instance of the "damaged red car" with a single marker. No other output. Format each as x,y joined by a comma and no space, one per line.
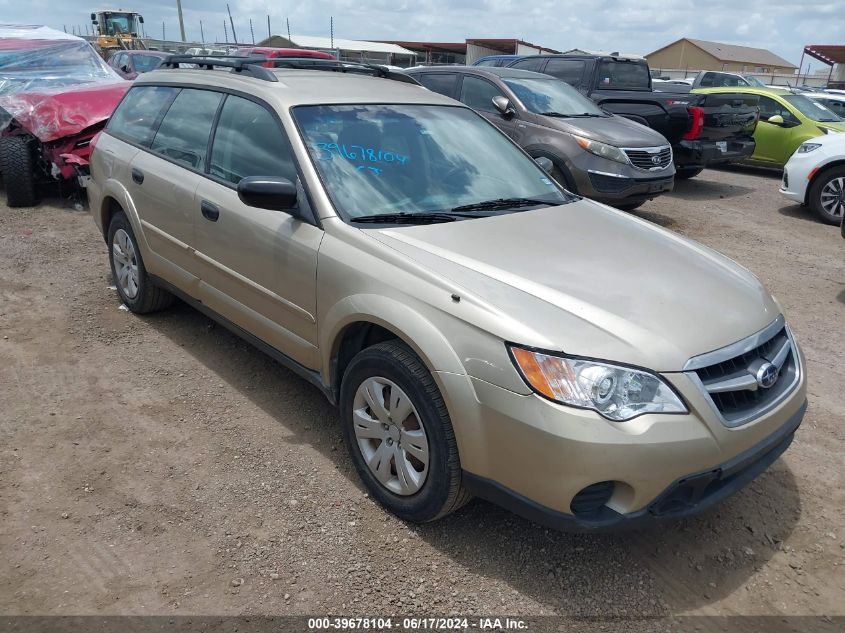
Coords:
56,94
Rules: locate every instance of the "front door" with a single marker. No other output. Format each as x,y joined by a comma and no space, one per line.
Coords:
774,141
258,268
478,94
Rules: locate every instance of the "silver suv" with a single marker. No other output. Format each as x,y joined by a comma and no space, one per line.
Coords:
482,331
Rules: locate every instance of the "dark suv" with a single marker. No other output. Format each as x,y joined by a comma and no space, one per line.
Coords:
594,153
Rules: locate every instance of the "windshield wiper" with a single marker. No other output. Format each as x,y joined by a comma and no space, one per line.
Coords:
406,218
504,203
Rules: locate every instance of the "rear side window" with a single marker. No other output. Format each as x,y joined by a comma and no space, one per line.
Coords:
623,75
136,117
146,63
487,62
478,93
444,83
532,63
184,132
569,70
249,142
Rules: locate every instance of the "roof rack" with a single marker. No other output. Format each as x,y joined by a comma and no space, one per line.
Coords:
247,65
332,65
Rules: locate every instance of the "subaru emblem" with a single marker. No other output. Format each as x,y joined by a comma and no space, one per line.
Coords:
767,375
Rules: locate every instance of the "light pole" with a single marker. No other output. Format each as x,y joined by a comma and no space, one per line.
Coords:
181,21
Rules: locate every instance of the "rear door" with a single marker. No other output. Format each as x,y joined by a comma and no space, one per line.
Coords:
164,179
258,267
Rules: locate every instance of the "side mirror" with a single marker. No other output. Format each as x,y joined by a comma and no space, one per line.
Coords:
545,164
93,18
263,192
141,19
124,68
775,120
503,106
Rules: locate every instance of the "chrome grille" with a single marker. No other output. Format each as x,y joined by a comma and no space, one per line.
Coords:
650,158
738,379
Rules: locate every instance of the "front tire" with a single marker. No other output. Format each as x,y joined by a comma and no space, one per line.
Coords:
685,173
17,164
827,196
134,286
399,434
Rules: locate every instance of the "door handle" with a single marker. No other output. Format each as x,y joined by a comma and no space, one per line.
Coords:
138,176
209,211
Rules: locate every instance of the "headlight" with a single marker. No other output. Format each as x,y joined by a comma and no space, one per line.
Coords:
808,147
617,393
601,149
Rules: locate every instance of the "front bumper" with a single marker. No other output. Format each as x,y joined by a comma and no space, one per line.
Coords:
703,153
542,460
687,496
612,188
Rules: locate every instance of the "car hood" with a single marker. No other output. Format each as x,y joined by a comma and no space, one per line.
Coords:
589,280
614,130
836,127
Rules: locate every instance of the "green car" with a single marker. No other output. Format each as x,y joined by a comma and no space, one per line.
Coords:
786,121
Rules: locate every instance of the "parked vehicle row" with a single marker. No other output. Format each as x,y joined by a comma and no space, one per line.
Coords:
702,129
593,152
482,330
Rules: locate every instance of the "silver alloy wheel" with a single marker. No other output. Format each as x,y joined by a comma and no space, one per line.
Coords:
391,435
833,197
125,263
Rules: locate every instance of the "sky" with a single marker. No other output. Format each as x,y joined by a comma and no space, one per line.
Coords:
629,26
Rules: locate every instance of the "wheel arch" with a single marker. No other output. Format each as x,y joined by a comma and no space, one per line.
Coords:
348,330
840,162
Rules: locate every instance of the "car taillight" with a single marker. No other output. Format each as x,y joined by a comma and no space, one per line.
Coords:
697,116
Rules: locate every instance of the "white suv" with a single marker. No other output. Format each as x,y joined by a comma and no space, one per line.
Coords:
815,176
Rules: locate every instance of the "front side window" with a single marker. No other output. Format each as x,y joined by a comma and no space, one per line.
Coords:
623,75
553,97
478,93
377,159
769,108
138,113
249,142
184,131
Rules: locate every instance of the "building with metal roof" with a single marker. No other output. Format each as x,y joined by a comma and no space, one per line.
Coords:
347,50
687,53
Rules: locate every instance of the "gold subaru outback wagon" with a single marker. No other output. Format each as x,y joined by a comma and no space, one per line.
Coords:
481,330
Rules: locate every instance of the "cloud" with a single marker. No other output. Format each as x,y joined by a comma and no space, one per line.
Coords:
783,26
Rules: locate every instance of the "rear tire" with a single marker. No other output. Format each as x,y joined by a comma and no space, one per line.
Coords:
827,196
411,465
17,164
685,173
134,286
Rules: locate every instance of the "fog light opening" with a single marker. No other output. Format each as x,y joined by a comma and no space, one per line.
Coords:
591,499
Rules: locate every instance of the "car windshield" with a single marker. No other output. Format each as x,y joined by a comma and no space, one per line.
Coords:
544,96
416,159
146,63
812,109
623,75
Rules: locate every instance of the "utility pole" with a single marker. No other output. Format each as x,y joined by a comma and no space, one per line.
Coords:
287,21
162,31
269,34
232,24
251,32
181,21
202,34
225,31
331,30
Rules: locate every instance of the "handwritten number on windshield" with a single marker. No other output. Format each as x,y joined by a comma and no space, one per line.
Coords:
358,153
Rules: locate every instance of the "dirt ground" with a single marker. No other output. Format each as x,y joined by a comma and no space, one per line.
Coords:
160,465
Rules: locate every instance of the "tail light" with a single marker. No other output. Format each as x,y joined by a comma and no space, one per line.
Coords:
697,116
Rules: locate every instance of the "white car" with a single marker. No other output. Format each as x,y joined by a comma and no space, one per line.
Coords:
815,176
833,102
